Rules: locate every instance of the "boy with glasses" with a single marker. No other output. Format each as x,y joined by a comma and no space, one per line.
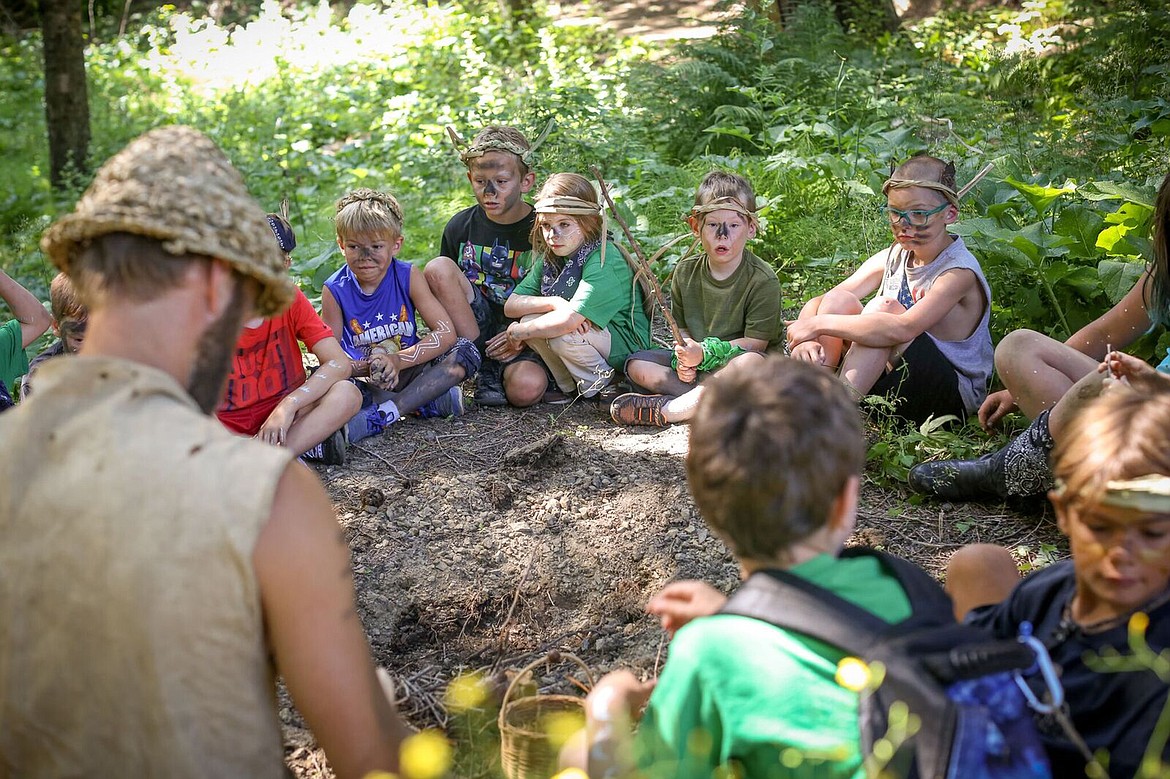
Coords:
923,340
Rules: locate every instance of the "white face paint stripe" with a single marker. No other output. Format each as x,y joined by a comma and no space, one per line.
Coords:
428,345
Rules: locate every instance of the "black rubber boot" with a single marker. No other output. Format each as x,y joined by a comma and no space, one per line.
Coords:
1018,469
489,384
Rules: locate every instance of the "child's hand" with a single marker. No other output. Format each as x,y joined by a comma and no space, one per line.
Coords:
500,347
995,407
800,331
809,351
274,431
1126,369
689,353
686,375
384,370
617,695
679,602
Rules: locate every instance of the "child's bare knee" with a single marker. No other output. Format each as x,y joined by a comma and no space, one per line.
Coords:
348,396
643,371
839,301
884,305
747,358
441,271
1017,342
524,383
980,574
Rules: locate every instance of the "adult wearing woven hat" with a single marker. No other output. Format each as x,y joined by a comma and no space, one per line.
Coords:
154,565
923,340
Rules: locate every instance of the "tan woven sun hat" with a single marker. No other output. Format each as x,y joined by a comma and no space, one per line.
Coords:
174,184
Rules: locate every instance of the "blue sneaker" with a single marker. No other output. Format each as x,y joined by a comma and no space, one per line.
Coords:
367,422
449,404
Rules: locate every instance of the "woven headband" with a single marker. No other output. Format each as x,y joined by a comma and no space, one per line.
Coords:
568,205
1145,493
725,204
373,196
950,194
526,154
574,206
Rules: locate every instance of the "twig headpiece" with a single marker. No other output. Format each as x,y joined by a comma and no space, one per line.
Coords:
468,153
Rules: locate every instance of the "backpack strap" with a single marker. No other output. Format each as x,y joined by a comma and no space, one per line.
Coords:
792,603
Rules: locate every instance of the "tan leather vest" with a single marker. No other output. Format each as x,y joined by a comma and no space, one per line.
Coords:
131,630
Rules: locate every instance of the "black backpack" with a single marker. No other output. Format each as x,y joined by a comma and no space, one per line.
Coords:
960,683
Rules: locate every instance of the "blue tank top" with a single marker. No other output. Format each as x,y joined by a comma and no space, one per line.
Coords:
384,317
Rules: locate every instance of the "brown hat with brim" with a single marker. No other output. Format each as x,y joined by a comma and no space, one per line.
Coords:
174,184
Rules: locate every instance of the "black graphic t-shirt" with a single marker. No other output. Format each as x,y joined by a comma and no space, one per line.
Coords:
493,256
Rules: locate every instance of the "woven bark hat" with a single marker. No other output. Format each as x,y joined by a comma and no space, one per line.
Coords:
175,185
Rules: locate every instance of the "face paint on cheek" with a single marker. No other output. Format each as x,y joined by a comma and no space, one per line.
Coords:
1156,557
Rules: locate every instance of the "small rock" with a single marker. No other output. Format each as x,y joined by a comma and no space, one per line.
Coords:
372,496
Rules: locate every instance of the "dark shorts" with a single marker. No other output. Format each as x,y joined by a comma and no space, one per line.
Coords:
463,353
923,384
490,319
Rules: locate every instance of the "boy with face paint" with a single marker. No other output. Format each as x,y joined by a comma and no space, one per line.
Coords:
1112,502
725,299
485,251
923,340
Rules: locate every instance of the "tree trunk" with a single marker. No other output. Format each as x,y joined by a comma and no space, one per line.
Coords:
871,17
66,96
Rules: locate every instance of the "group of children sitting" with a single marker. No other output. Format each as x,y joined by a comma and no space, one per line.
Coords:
538,304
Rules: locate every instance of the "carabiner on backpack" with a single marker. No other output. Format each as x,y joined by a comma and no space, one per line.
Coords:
1043,664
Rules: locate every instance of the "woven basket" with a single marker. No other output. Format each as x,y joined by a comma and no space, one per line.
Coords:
525,749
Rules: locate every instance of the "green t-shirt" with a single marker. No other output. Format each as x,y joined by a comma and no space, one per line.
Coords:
13,360
745,304
739,690
607,297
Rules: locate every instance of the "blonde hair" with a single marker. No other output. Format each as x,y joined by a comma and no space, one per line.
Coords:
719,184
570,185
368,212
1119,436
64,300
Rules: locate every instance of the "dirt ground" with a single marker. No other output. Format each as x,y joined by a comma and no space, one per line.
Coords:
486,541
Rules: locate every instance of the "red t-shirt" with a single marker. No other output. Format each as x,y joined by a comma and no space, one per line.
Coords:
267,365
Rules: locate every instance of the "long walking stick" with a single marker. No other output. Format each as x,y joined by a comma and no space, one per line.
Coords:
644,269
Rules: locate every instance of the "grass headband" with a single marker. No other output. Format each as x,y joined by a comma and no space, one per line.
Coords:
468,153
1145,493
724,204
951,195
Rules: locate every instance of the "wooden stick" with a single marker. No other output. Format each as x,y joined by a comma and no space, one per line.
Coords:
644,268
970,184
